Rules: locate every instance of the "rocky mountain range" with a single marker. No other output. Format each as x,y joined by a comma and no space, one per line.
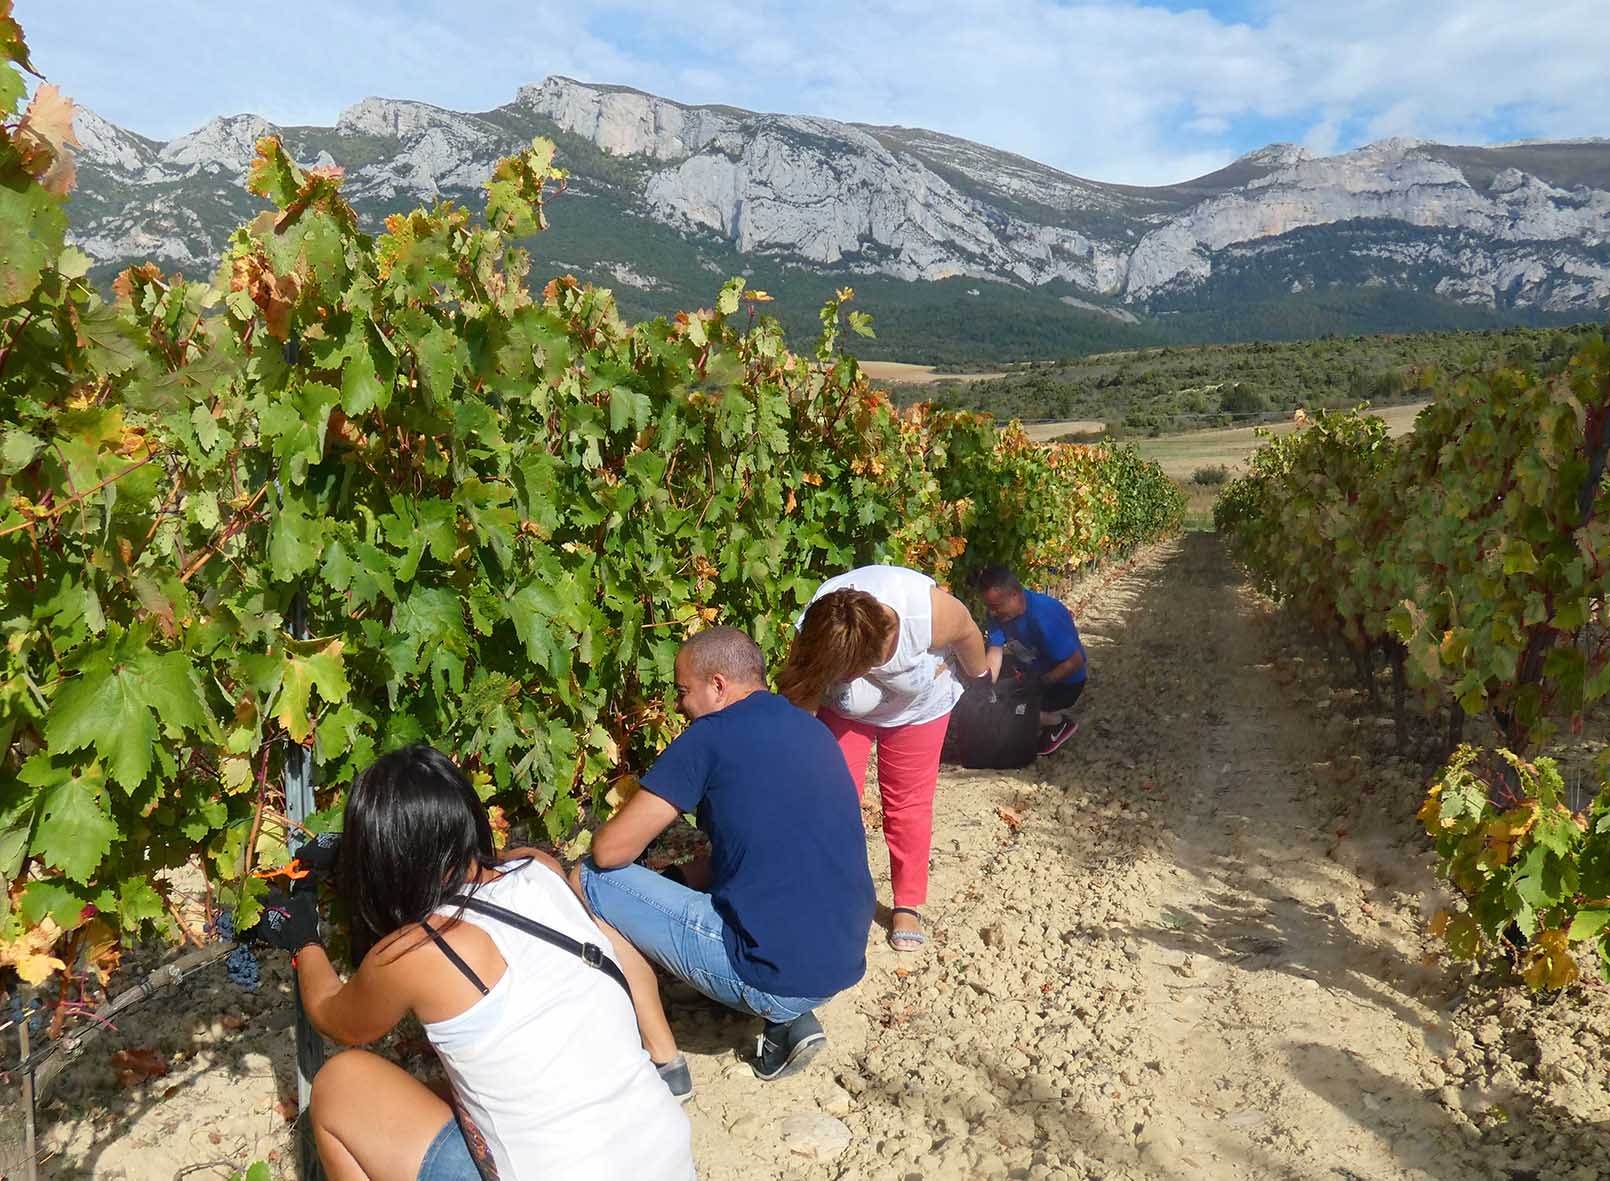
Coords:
954,235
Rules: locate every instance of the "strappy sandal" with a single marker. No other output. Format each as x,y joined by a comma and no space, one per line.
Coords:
907,941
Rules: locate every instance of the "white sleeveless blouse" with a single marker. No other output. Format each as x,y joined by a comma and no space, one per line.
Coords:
913,686
549,1064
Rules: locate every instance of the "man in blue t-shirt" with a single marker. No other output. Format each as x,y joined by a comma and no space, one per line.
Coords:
774,920
1046,641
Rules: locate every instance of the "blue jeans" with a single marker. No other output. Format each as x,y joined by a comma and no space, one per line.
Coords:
448,1157
681,931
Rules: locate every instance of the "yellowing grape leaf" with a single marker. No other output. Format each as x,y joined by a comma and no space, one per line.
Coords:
50,116
102,949
1501,835
622,790
1549,963
324,670
30,952
1463,937
49,122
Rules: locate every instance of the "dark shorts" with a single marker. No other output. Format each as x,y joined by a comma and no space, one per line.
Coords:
1060,695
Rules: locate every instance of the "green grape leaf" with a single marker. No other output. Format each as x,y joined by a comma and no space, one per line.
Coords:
33,226
323,670
295,542
138,903
54,900
112,347
17,451
74,832
441,355
1588,924
110,707
105,707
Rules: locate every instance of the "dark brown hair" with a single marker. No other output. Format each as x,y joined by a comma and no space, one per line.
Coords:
844,634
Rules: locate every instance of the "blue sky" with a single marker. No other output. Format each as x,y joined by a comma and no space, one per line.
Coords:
1144,93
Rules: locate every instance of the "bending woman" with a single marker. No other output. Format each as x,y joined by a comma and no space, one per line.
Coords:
870,658
541,1047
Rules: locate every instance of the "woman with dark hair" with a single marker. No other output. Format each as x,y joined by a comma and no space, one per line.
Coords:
870,657
501,964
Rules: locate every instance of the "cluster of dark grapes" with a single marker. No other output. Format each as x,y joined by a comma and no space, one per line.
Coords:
241,966
16,1011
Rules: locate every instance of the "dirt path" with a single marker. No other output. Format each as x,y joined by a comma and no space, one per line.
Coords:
1187,946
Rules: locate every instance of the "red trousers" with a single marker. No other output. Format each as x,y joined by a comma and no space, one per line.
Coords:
908,772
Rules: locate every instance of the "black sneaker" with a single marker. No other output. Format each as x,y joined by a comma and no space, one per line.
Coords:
678,1079
783,1049
1051,741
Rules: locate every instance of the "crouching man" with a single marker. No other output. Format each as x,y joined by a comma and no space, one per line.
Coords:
1042,632
779,921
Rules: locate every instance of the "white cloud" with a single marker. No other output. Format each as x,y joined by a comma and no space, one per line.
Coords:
1115,90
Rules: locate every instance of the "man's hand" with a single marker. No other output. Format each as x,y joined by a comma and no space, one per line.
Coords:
1058,673
627,833
289,922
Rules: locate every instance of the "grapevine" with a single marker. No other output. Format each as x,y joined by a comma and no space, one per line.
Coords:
1476,553
499,506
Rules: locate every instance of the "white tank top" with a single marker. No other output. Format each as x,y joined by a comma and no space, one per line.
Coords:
913,686
549,1064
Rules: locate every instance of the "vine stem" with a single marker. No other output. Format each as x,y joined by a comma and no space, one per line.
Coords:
236,524
57,510
29,1145
186,935
257,819
5,353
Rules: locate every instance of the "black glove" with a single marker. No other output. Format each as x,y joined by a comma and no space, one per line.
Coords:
289,922
319,853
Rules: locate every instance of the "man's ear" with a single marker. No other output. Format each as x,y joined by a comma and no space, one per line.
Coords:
721,683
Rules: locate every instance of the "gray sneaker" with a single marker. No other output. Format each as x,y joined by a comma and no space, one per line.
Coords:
678,1079
783,1049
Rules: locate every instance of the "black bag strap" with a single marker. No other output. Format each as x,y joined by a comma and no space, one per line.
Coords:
454,958
590,954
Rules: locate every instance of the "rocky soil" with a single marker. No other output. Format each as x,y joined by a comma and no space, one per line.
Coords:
1189,945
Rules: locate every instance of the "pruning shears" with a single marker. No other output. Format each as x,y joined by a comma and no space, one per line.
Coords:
293,870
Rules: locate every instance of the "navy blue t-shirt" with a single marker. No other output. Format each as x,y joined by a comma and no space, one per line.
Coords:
788,850
1046,627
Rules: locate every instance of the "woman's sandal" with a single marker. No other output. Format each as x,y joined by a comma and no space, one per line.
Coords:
906,940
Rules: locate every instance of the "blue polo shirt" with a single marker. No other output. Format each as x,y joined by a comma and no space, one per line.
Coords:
789,872
1047,629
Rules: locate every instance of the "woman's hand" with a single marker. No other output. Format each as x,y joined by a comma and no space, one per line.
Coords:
289,922
318,852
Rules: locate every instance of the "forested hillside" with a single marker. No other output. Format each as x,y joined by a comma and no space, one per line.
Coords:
1170,389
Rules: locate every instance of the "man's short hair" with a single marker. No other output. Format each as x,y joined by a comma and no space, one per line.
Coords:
996,578
728,652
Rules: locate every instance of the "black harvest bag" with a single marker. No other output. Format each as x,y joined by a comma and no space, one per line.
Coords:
996,725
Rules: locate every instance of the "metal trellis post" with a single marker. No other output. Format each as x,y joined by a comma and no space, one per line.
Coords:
309,1045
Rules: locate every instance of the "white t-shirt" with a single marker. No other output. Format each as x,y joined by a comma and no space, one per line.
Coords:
549,1064
913,686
